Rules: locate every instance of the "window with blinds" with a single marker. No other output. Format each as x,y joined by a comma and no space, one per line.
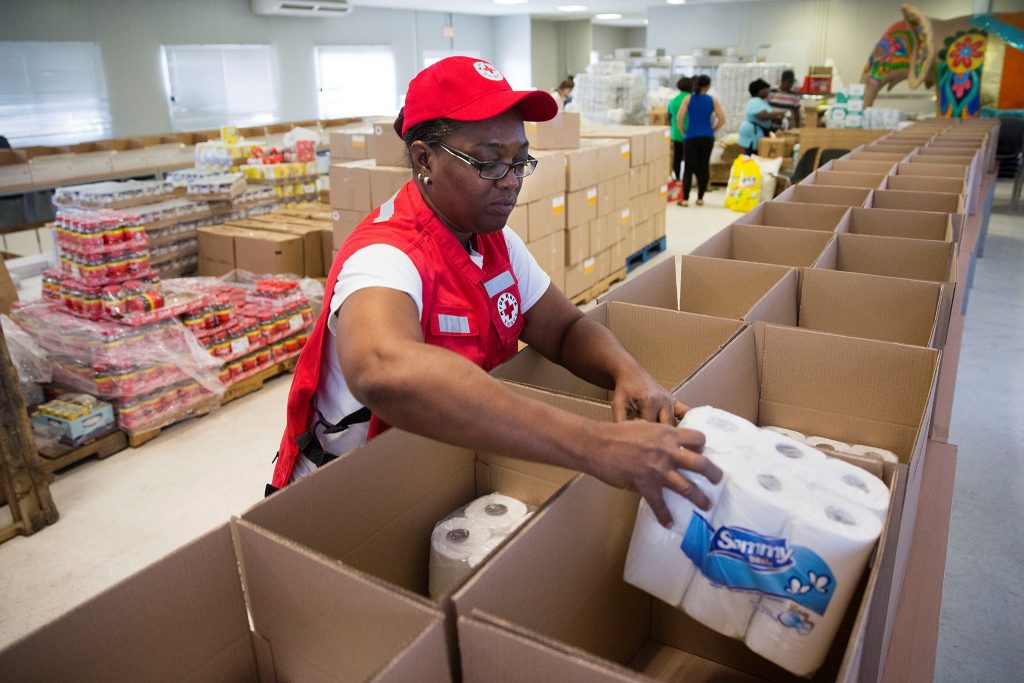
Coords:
209,86
356,80
52,93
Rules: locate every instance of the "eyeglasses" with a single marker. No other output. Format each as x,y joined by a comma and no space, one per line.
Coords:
492,170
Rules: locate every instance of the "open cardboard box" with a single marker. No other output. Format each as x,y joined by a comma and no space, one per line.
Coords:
915,166
916,183
576,619
669,344
766,244
924,225
822,217
825,194
741,290
845,165
845,179
187,617
917,201
860,154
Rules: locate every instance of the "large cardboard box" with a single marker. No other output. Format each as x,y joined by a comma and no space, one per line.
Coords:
845,179
917,201
938,170
925,225
824,194
859,166
670,345
613,156
824,217
547,179
343,223
270,253
547,216
636,136
884,157
8,292
581,206
52,168
349,143
581,168
579,277
549,251
216,250
363,185
385,147
312,234
761,244
577,243
740,290
187,617
916,259
915,183
561,132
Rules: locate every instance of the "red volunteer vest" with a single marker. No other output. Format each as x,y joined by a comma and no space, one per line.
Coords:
472,311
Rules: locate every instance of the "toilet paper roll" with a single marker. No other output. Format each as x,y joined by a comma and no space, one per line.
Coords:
854,484
451,543
822,442
484,551
500,513
656,562
727,456
790,634
873,452
801,459
758,498
718,425
791,433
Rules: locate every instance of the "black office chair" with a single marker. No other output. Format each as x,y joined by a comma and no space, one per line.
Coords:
804,166
1010,155
831,153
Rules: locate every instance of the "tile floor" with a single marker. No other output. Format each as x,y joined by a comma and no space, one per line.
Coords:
122,513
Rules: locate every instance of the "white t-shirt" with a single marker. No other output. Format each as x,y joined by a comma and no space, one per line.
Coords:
382,265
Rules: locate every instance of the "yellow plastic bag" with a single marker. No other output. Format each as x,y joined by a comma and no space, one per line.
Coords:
744,190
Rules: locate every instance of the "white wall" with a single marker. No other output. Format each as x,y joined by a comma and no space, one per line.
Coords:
130,33
512,51
803,32
544,54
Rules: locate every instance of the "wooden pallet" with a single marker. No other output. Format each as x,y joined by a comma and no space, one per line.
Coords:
645,254
136,439
255,382
599,288
58,456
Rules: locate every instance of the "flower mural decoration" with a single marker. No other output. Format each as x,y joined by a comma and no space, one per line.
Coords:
961,55
959,74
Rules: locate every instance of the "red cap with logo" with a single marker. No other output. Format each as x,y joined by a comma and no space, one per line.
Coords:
468,89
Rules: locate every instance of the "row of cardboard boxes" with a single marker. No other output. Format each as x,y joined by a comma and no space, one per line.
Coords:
348,601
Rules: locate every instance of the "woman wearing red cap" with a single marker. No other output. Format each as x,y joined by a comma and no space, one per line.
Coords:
432,290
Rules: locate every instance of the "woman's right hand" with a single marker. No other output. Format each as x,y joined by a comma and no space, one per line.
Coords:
645,456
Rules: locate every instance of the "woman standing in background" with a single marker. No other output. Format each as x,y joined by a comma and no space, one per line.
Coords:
699,136
758,117
685,85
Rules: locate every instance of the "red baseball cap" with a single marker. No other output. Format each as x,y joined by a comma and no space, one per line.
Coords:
468,89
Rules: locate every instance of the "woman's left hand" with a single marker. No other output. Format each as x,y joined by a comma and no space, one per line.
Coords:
638,395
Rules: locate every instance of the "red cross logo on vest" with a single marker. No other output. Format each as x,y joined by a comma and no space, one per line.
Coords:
487,71
508,309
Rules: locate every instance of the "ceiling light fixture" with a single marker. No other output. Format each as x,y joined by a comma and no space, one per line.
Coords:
676,2
572,8
509,2
608,16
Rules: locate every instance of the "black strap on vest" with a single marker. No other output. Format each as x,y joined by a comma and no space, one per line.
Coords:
309,445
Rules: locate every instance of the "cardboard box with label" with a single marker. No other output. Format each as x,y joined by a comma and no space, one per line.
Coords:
824,194
314,237
349,143
547,179
581,168
635,136
187,616
363,185
740,290
762,244
613,156
579,277
581,206
549,251
670,345
577,243
561,132
823,217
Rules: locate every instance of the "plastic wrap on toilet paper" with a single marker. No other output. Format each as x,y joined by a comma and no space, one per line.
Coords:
823,442
873,452
451,544
791,433
853,484
794,628
655,562
740,546
801,459
718,424
500,513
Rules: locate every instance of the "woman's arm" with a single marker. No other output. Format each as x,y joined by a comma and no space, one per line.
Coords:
719,114
681,114
437,393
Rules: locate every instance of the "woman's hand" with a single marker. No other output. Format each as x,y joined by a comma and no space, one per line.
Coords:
638,395
646,457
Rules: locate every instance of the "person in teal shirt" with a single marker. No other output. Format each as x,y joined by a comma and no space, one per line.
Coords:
757,117
685,85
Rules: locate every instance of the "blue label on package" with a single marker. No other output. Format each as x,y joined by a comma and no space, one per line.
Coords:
741,558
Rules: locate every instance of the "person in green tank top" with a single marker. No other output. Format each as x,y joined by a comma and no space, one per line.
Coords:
685,85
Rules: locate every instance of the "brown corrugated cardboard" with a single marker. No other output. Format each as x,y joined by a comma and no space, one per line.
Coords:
268,252
870,306
636,136
580,276
188,619
21,242
577,243
859,166
717,287
781,246
216,250
14,168
917,201
823,194
312,235
613,156
546,216
916,259
385,181
549,251
349,144
581,206
926,225
343,222
638,180
547,179
558,279
683,342
581,168
8,292
822,217
922,168
892,157
606,198
350,185
561,132
384,145
640,208
915,183
845,179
